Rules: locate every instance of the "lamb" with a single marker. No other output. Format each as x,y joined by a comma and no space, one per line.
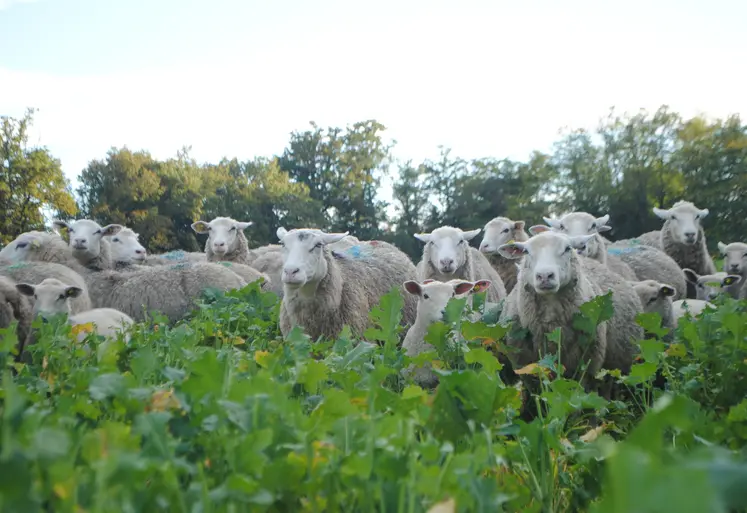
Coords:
226,239
88,243
35,272
15,307
499,231
735,262
649,263
324,291
432,297
582,223
52,297
711,286
447,255
656,297
682,238
694,307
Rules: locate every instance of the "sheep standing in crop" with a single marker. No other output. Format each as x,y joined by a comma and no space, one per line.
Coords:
52,297
499,231
735,262
582,223
15,307
324,291
649,263
656,297
35,272
88,243
226,240
682,238
711,286
432,297
447,255
693,307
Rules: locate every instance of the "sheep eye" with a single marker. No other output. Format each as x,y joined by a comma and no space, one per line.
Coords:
115,240
593,226
568,248
233,228
697,216
505,230
61,298
744,256
318,245
425,296
70,230
673,218
97,232
21,245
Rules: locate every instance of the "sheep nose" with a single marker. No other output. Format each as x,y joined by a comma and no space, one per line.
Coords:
484,247
79,242
690,235
447,262
734,267
219,244
545,276
291,272
139,251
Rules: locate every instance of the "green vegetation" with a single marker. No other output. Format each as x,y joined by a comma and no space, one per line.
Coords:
218,414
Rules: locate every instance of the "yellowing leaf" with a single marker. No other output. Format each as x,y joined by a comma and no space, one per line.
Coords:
87,327
61,491
448,506
529,369
163,400
237,341
592,434
261,358
676,350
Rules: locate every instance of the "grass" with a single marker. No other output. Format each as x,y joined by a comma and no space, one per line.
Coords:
219,414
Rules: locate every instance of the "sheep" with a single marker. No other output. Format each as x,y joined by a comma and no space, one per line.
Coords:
656,297
35,272
682,238
324,291
15,307
52,297
649,263
248,273
583,223
226,239
710,286
735,262
177,256
499,231
694,307
39,247
447,255
432,297
88,243
126,251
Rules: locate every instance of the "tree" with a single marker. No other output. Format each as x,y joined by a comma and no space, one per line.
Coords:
411,199
31,181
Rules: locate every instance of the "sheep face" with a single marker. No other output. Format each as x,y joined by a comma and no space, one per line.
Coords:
735,257
710,286
223,233
433,296
20,249
577,224
303,255
86,235
655,297
127,248
684,221
548,259
500,231
448,247
50,296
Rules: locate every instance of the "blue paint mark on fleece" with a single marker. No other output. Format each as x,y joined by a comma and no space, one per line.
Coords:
358,251
625,250
175,255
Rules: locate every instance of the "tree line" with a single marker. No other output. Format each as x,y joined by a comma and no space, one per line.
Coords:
329,178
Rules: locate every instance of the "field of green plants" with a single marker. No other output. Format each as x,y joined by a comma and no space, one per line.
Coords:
219,414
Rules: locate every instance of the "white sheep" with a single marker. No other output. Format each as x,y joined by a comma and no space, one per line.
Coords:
432,297
88,243
499,231
126,250
35,272
710,286
52,297
694,307
656,297
735,262
226,239
323,291
447,255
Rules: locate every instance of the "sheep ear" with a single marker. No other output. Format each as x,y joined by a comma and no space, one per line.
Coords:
690,275
463,287
73,292
481,286
703,213
111,229
661,214
603,228
413,287
580,241
601,221
731,280
423,237
331,238
666,290
25,289
519,225
553,223
513,250
200,227
281,232
471,234
58,225
538,228
722,247
243,225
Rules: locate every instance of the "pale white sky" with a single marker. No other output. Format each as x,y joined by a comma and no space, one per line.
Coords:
231,78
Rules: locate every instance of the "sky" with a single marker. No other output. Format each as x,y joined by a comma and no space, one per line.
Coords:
235,77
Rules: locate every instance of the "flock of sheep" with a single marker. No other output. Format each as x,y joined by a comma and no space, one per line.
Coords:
104,276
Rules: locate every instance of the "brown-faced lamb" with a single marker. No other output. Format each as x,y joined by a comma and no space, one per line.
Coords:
499,231
447,256
324,290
